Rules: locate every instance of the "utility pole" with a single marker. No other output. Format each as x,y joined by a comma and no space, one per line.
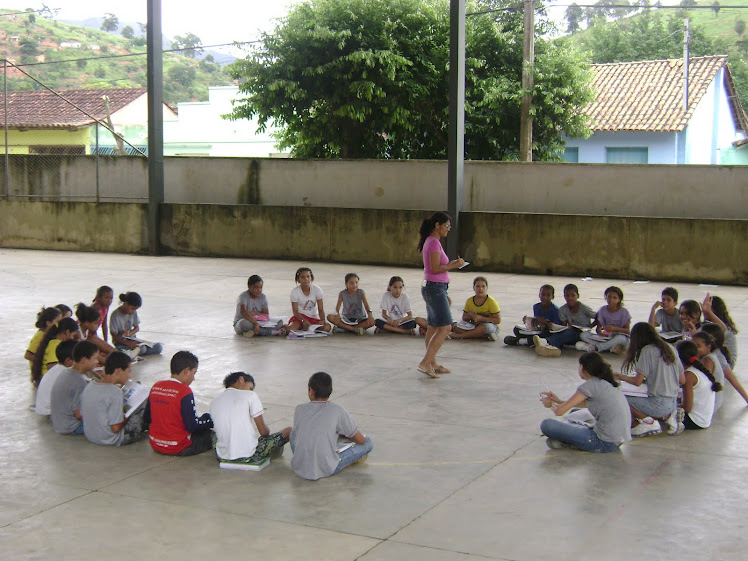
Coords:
528,62
456,127
686,53
155,73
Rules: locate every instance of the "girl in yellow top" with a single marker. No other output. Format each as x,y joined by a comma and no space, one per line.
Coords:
46,318
481,316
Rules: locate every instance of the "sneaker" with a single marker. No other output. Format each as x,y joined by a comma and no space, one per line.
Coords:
554,444
618,350
511,340
675,422
646,427
492,337
360,330
524,341
586,347
248,334
542,348
133,353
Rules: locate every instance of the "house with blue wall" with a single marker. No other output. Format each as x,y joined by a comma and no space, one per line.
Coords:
639,114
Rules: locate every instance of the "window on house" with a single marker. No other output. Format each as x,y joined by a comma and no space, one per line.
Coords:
627,155
570,155
58,150
112,150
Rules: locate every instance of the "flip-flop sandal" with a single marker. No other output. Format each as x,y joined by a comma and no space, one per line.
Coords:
439,369
429,373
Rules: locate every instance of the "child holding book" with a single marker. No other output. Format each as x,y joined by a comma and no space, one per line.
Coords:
481,316
252,310
544,313
397,313
352,312
613,326
573,315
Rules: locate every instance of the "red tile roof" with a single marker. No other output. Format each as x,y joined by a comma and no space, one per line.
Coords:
45,110
648,95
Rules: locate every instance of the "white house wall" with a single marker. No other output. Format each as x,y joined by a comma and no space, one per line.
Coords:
710,123
661,146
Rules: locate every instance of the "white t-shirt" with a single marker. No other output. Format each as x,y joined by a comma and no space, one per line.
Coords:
232,413
719,376
307,304
702,408
397,308
44,391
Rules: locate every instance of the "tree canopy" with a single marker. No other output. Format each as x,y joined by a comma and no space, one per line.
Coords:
369,79
110,23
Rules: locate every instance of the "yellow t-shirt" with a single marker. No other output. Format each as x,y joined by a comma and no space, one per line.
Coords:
34,345
490,306
50,355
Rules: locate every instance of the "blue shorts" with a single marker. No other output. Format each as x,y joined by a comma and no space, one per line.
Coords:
657,407
437,303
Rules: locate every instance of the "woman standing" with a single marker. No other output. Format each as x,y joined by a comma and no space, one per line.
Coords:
436,265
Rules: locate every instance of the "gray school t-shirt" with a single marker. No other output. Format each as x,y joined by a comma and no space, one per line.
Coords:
102,406
582,317
353,305
66,398
731,342
316,426
609,407
119,322
669,323
252,304
662,379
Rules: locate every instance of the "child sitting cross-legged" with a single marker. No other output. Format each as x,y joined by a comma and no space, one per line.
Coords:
237,441
102,406
481,316
573,314
544,313
65,401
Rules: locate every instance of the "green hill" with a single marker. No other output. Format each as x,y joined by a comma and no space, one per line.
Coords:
63,56
656,34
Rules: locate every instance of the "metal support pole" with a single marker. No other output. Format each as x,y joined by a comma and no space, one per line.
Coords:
5,101
456,129
98,176
155,124
528,63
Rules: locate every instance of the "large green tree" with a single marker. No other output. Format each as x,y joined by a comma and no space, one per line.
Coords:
369,79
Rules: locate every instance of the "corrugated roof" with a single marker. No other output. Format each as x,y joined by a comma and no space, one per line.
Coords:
648,95
45,110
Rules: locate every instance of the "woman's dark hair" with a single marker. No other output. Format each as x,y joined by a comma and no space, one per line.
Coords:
102,290
689,357
254,279
64,309
321,384
643,334
393,280
46,315
86,314
593,364
67,324
476,279
617,291
301,270
719,339
349,276
428,225
692,307
233,378
132,298
720,310
706,338
115,360
572,287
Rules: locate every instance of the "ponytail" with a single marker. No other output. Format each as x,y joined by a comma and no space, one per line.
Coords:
46,315
595,365
67,324
688,356
428,225
86,314
132,298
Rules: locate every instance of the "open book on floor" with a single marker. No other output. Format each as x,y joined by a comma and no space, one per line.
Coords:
312,331
246,467
135,394
141,342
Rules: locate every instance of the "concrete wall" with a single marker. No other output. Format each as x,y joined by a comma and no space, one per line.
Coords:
588,189
694,250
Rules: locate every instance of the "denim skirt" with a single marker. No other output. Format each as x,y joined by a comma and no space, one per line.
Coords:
437,303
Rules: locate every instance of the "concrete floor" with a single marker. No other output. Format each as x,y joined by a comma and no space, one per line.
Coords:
459,470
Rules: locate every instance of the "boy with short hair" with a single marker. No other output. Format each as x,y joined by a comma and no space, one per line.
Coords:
102,406
65,403
316,426
544,313
572,313
175,428
668,316
64,354
237,441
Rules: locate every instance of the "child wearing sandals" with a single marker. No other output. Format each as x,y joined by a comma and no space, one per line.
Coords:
251,309
480,317
699,389
355,315
605,402
307,304
571,314
397,314
614,321
652,360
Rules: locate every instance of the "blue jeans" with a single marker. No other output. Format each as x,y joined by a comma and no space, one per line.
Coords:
144,350
79,430
347,457
565,337
438,313
577,436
